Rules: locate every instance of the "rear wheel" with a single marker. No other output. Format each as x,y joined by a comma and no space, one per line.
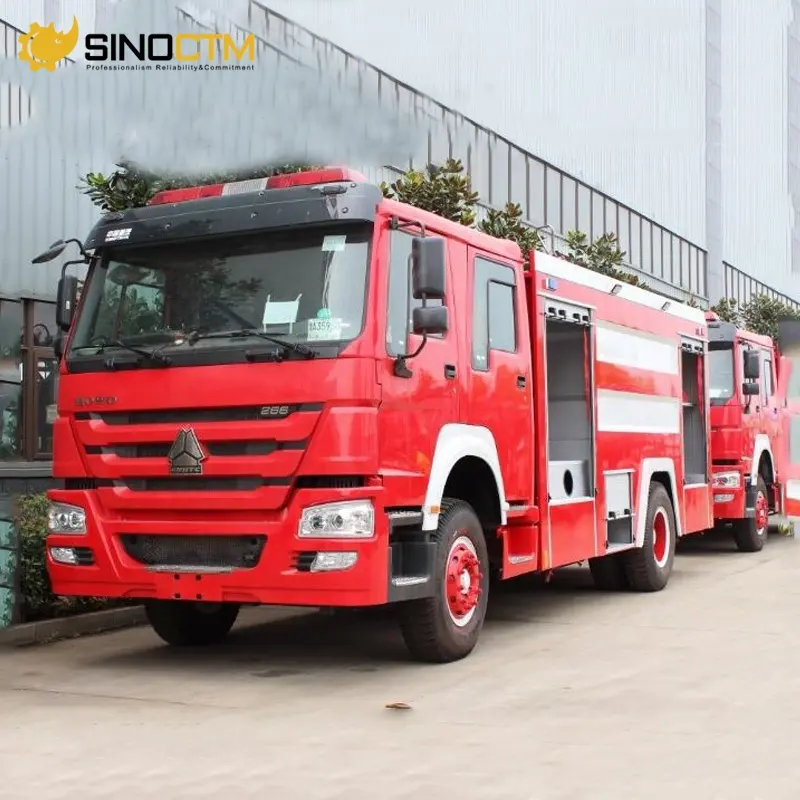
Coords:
446,626
750,534
648,567
184,623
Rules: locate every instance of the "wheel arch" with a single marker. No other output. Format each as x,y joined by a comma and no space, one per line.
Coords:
763,462
466,467
658,470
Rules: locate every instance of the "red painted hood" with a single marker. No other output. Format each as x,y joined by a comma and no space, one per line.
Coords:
265,430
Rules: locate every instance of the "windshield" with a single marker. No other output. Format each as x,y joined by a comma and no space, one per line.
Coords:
721,379
304,286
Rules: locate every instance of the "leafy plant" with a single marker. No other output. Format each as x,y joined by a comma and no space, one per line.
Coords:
762,313
507,223
443,190
727,309
38,600
603,255
131,187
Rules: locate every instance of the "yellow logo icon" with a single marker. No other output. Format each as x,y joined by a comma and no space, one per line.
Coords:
45,46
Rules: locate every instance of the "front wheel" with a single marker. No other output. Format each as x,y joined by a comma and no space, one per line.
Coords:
184,623
446,626
750,534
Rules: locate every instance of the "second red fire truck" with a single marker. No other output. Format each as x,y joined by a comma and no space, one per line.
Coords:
295,391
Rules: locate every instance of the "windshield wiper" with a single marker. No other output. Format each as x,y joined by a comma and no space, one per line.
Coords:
153,356
247,333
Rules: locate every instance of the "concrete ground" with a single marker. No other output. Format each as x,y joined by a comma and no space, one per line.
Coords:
689,693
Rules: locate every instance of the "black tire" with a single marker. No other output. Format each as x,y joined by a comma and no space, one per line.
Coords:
608,573
183,623
749,537
430,630
648,567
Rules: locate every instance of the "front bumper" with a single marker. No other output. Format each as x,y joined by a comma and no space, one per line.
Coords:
281,575
732,504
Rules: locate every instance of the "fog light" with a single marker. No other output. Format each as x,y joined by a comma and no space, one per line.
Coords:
64,555
329,562
723,498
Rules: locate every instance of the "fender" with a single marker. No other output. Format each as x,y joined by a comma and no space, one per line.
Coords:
760,447
648,467
455,441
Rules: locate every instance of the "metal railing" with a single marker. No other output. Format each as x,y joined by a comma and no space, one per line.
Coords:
552,199
502,172
741,287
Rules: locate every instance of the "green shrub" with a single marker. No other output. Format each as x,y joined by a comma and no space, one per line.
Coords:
36,597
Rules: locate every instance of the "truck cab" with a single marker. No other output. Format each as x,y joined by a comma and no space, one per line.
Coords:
746,424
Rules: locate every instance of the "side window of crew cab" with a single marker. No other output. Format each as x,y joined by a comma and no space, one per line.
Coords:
401,303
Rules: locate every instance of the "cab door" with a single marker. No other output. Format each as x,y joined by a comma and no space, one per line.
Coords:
498,364
415,402
789,409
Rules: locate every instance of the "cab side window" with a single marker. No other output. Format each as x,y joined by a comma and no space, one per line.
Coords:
768,382
401,303
494,312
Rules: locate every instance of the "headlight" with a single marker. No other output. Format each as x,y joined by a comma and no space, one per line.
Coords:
727,480
351,519
63,518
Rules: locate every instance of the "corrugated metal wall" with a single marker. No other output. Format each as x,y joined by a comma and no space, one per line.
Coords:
45,183
610,90
757,207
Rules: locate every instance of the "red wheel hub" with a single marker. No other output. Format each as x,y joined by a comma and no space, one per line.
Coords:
762,512
463,581
660,536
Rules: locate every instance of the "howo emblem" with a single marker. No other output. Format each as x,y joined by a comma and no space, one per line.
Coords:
186,456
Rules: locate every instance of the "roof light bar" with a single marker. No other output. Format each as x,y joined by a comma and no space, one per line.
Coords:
287,181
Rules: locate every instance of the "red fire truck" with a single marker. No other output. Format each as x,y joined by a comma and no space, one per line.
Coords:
295,391
751,425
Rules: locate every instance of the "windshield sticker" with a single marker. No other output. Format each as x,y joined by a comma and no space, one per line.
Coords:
324,329
282,312
333,244
324,313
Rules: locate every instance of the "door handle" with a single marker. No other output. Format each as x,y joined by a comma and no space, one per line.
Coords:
521,381
449,371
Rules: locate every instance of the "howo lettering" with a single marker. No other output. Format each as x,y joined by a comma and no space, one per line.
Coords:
332,399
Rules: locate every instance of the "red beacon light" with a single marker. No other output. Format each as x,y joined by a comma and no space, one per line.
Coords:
287,181
712,316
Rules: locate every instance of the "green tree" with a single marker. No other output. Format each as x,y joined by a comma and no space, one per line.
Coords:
727,309
602,255
446,191
762,313
507,223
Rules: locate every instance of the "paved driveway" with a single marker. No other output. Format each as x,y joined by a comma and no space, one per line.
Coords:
691,693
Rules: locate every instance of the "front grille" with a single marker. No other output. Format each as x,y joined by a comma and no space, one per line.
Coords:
182,416
232,448
200,484
215,552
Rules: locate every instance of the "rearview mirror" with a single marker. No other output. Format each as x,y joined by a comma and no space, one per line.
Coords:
430,320
54,251
750,388
428,267
752,365
65,301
